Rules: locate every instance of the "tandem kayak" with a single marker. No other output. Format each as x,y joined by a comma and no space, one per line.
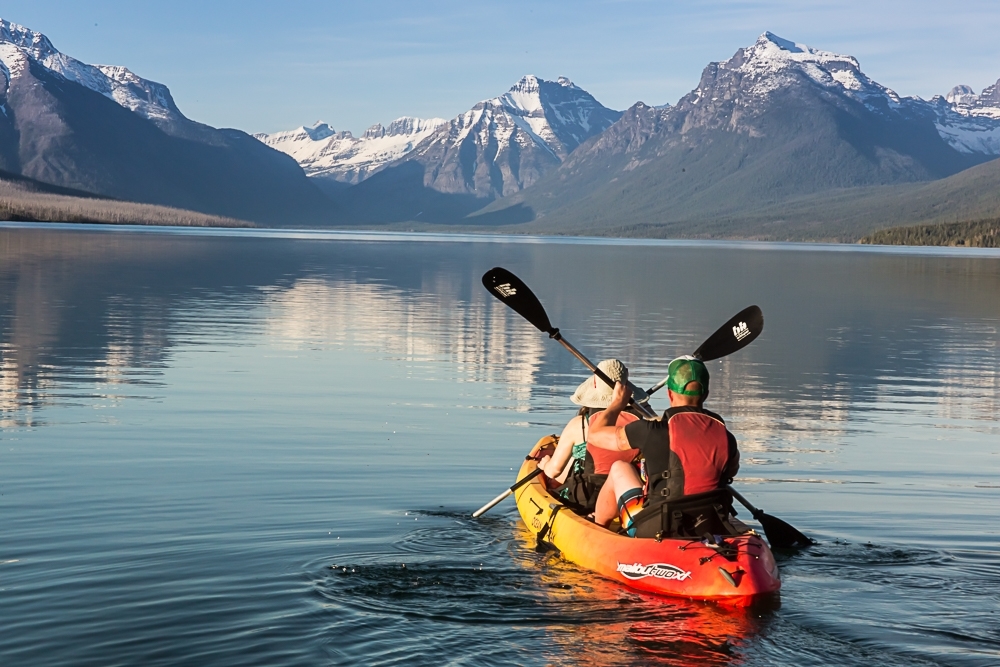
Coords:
735,573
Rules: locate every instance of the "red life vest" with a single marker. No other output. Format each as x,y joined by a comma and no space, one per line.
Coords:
700,448
687,452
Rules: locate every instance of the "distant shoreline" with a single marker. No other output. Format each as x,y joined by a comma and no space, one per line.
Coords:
27,200
24,200
381,236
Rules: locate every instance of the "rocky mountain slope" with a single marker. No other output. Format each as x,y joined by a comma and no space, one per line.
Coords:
105,130
776,122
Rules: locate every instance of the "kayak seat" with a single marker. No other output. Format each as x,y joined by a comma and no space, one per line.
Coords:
691,516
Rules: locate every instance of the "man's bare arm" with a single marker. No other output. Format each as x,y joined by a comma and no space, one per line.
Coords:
603,432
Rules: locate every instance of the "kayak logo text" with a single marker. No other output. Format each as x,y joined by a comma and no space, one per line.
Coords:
505,290
741,331
658,570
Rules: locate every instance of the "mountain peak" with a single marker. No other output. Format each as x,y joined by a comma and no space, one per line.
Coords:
18,35
781,43
961,94
147,98
529,83
376,131
319,130
991,94
780,52
964,100
773,64
407,125
404,126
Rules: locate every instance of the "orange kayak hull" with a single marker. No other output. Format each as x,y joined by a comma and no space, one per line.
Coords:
674,567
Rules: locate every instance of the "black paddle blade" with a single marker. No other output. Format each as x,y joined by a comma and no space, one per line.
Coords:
510,289
741,330
781,534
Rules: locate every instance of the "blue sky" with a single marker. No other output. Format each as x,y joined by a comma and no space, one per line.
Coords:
267,66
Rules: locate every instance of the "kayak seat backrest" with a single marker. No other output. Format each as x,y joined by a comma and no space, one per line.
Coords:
691,516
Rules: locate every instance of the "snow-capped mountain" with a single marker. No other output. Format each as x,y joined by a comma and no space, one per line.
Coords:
966,102
773,64
500,146
504,144
777,120
147,98
106,130
325,153
971,122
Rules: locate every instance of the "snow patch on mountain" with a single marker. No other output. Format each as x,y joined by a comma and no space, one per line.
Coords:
523,102
324,152
147,98
13,60
970,137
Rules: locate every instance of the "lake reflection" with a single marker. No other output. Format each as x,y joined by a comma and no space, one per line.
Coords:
197,428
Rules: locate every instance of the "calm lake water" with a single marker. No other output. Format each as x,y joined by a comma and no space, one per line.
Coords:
264,450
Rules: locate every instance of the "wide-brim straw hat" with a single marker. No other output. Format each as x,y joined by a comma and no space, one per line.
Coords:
595,393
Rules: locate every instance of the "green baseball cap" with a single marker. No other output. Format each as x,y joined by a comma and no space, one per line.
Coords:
684,370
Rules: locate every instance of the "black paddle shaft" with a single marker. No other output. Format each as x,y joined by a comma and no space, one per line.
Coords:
512,291
780,534
741,330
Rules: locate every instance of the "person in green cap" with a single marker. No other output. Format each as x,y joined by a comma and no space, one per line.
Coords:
690,456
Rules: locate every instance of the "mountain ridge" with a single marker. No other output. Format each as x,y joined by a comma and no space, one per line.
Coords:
777,137
105,130
776,121
499,146
324,153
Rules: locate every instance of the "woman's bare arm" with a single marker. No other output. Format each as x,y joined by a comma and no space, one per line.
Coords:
556,466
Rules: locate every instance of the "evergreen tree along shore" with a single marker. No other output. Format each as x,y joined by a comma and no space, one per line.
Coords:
969,234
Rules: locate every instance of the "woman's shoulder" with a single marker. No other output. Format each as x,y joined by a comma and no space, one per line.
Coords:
626,418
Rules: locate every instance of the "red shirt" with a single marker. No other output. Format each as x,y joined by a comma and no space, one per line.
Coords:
603,458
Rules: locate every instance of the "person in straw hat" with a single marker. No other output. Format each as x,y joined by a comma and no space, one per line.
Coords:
576,469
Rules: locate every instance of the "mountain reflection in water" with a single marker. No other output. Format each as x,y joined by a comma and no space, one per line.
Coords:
264,450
